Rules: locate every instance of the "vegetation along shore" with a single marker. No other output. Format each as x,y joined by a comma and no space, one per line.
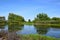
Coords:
41,19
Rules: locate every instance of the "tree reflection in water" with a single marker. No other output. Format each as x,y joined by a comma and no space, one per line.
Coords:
3,33
12,29
41,29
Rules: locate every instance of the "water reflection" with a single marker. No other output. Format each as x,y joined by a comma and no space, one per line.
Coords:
30,29
41,29
3,27
48,31
12,28
27,29
3,30
54,32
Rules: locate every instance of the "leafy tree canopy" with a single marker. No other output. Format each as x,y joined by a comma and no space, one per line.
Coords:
55,18
42,17
14,17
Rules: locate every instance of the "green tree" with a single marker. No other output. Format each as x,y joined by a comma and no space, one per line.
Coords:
15,18
55,18
29,20
42,17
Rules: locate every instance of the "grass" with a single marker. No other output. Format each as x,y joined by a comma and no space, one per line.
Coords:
49,25
28,23
37,37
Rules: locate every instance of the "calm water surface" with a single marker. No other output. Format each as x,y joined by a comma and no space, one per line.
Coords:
30,29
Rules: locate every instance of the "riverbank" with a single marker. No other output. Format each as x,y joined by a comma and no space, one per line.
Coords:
48,25
30,37
28,23
37,37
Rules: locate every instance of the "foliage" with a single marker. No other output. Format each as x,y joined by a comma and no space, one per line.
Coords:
42,17
2,22
29,20
28,23
55,18
16,19
37,37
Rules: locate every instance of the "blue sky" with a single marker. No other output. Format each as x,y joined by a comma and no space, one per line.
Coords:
30,8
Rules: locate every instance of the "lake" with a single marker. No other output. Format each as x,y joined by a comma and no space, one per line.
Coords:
31,29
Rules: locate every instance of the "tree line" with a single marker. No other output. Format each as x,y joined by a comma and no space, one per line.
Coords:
45,17
13,18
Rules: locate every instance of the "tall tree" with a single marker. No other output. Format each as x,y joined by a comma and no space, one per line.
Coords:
29,20
42,17
15,18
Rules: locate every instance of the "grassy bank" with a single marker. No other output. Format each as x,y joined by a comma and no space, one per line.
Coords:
37,37
28,23
49,25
